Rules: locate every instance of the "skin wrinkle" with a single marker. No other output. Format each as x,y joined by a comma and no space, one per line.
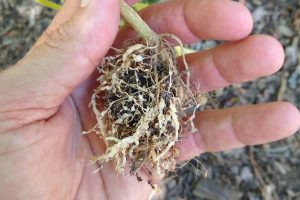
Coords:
79,183
74,116
216,66
90,194
24,102
64,32
200,142
83,53
233,128
19,124
100,172
33,128
81,176
66,88
74,145
64,35
75,108
102,179
37,178
178,10
26,109
26,146
92,149
84,3
235,131
207,146
55,188
69,142
104,184
188,25
32,146
60,35
75,158
51,44
43,113
46,36
85,58
18,101
205,71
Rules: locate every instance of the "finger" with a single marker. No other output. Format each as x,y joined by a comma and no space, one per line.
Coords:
68,9
131,2
64,14
235,62
191,20
46,76
220,130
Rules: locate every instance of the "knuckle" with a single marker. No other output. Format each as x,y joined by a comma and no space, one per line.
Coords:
62,35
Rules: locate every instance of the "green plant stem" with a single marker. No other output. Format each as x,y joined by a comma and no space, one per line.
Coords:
138,24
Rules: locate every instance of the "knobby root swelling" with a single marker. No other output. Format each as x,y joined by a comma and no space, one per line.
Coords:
142,105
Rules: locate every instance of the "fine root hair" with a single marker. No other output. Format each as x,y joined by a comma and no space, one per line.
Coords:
143,104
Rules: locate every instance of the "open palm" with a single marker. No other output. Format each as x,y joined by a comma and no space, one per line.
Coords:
44,98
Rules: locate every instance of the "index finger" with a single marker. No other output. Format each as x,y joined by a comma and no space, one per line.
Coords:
191,20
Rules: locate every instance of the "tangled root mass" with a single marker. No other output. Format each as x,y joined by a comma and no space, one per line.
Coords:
142,105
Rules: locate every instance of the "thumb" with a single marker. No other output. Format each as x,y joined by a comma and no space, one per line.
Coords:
51,71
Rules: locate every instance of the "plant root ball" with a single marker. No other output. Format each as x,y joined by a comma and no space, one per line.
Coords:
142,105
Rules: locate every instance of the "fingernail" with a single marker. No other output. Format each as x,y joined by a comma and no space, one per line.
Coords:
84,3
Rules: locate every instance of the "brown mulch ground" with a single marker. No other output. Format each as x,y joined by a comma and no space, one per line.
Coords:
269,171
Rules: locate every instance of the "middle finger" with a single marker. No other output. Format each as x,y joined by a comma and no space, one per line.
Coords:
235,62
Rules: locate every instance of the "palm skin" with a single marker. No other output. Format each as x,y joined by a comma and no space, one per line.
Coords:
44,98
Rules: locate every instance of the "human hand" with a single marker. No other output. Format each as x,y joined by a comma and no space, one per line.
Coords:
44,97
